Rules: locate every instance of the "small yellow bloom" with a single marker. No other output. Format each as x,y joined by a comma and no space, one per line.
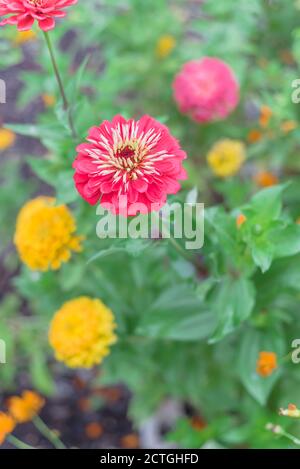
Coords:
49,100
7,425
226,157
7,139
292,411
240,220
165,46
265,116
266,179
81,332
45,234
24,36
266,363
25,408
288,126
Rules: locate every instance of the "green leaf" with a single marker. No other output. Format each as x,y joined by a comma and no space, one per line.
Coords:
178,314
268,203
286,240
65,188
41,131
40,375
107,252
76,82
233,302
54,174
7,370
45,169
251,344
262,253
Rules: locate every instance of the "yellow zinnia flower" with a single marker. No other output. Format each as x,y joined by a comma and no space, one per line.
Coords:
7,139
45,234
7,425
165,45
226,157
25,408
81,332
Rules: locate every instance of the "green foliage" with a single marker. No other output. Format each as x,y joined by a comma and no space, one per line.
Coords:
190,328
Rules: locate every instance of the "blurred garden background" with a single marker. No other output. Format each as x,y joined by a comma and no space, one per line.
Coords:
200,353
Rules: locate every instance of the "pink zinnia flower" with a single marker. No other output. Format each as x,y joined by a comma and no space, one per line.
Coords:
25,12
206,89
138,161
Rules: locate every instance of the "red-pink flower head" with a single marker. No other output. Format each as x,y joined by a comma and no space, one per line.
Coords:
206,89
138,161
24,13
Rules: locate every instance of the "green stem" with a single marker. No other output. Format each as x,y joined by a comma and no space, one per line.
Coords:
174,242
278,430
60,85
47,433
18,443
290,437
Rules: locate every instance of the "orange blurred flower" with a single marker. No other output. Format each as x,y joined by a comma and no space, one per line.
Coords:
93,430
265,116
84,404
7,425
287,57
266,179
266,363
111,394
288,126
198,423
49,100
130,441
25,408
240,220
254,136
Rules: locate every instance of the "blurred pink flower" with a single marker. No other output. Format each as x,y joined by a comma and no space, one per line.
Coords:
206,89
25,12
136,161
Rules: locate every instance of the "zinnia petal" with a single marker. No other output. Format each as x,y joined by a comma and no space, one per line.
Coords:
139,160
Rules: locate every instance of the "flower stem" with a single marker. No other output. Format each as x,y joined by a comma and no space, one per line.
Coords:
47,433
278,430
18,443
60,84
290,437
165,231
